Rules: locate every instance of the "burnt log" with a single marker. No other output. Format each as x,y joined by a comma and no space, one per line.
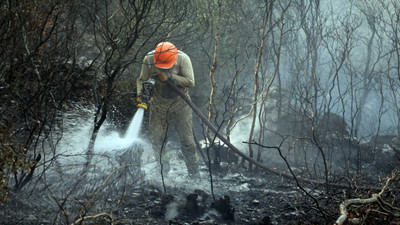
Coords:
223,206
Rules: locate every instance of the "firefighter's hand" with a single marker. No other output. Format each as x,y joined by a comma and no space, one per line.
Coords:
138,99
163,76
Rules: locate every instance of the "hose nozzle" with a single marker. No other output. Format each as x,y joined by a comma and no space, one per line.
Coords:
142,105
147,92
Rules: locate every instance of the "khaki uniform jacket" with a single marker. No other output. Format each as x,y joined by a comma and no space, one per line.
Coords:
182,77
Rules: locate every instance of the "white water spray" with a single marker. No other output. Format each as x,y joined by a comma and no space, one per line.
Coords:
116,154
114,141
134,126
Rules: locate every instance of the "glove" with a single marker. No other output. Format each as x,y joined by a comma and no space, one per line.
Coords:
138,99
163,76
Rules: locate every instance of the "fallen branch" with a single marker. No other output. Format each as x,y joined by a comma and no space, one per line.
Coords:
93,217
376,198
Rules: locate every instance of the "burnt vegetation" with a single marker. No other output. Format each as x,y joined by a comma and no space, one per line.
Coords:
307,90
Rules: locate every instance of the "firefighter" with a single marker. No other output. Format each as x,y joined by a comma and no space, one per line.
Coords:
166,62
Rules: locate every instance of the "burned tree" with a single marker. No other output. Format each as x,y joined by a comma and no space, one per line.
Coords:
39,76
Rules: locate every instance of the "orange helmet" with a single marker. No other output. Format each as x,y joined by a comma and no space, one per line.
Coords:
165,55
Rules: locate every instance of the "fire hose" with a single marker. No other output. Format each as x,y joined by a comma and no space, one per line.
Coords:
147,89
220,136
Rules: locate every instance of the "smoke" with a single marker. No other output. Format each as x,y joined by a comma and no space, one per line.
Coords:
211,214
171,211
240,133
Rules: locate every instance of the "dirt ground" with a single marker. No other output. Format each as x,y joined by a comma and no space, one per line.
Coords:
235,196
239,198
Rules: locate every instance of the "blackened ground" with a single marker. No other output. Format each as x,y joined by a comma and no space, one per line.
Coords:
239,198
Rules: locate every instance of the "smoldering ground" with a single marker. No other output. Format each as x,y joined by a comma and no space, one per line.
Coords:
123,184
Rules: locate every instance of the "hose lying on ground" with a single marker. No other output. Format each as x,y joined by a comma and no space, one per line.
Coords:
241,154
